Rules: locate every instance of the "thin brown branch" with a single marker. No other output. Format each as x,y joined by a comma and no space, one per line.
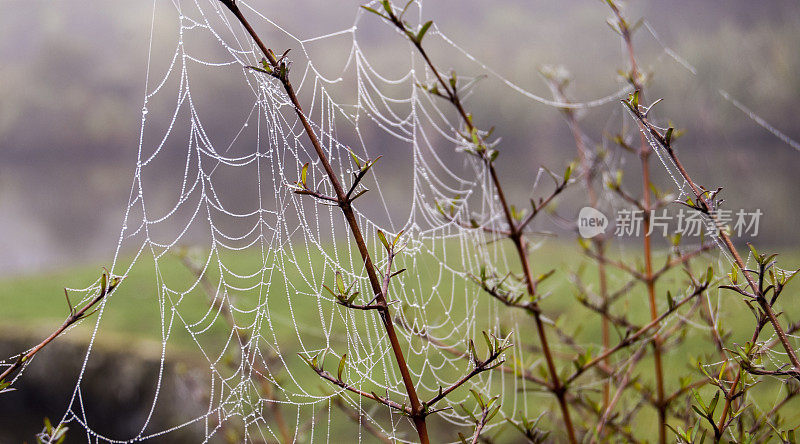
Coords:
618,395
518,372
617,264
108,284
380,399
681,259
480,425
516,234
480,367
631,339
346,206
536,208
731,394
644,155
705,207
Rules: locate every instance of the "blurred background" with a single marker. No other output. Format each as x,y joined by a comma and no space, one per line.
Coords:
72,84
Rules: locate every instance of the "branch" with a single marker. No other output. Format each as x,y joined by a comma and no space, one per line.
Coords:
480,425
705,206
347,210
518,372
337,380
635,337
537,207
481,150
107,285
496,348
622,385
681,259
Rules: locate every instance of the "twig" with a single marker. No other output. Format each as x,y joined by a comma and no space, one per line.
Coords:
622,385
516,234
644,155
627,341
107,286
705,206
345,204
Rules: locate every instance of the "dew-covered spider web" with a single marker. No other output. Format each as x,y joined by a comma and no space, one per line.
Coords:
229,263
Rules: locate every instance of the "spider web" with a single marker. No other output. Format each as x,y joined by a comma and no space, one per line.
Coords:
261,261
248,295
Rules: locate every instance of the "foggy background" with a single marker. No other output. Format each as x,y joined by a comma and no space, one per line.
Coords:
72,86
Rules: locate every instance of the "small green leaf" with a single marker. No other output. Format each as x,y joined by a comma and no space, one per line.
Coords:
383,240
266,65
341,366
359,194
355,158
423,30
713,405
753,250
722,369
478,398
791,276
304,174
340,283
668,136
492,413
59,434
103,283
397,238
488,342
371,10
405,8
387,6
699,399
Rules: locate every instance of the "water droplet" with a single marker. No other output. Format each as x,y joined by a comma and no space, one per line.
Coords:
144,110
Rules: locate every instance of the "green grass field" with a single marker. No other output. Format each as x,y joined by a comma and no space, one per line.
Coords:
138,316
